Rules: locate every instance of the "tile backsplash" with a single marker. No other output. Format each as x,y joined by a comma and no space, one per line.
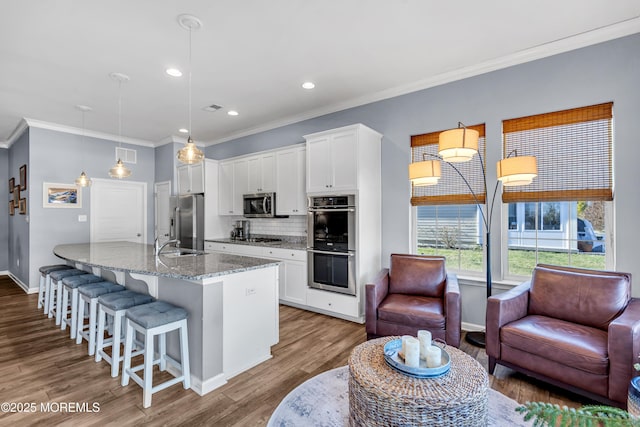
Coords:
292,226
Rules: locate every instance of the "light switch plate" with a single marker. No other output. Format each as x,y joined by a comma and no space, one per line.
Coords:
82,218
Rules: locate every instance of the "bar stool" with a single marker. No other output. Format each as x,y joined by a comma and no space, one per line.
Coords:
45,283
156,318
55,290
115,305
70,285
89,294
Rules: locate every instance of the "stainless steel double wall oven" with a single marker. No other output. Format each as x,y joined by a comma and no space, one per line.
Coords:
331,242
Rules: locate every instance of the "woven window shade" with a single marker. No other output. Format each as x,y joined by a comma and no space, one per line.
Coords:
573,149
451,189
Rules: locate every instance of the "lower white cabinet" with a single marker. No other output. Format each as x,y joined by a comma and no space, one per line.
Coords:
331,301
293,268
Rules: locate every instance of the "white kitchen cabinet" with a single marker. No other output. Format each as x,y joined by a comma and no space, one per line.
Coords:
332,161
225,188
191,179
261,173
291,197
232,185
293,267
337,159
346,305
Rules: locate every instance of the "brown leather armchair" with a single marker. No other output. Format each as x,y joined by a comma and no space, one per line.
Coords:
414,293
574,328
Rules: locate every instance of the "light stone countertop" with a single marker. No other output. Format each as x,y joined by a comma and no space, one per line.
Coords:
140,258
298,245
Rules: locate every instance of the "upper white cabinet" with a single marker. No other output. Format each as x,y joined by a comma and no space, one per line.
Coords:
335,158
191,179
290,182
262,173
232,184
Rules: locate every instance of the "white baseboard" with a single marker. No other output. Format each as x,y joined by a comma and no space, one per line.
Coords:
472,327
24,286
198,386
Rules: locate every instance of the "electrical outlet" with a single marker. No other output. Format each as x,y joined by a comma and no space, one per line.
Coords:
250,291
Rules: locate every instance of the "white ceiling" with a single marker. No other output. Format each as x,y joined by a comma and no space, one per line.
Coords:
253,55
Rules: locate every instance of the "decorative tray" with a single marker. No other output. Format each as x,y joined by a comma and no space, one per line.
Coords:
392,351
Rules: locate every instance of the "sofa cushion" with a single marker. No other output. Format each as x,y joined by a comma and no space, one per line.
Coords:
587,297
417,275
581,347
417,311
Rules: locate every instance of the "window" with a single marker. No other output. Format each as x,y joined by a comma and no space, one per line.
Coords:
448,221
541,216
454,231
560,218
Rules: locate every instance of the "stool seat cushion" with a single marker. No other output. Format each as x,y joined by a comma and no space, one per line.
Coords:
46,269
123,300
73,282
155,314
61,274
94,290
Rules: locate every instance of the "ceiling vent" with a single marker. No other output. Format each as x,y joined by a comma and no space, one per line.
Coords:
127,155
212,108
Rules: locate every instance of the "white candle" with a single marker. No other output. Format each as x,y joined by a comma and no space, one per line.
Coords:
434,357
404,345
425,342
412,355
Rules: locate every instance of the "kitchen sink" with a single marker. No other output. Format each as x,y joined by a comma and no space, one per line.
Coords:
180,252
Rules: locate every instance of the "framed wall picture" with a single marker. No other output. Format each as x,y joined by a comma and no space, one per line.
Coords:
12,209
56,195
22,209
16,196
12,184
23,177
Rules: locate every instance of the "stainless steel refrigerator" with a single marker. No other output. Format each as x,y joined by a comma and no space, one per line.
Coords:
187,221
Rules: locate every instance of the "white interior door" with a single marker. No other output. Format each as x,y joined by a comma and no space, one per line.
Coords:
162,192
118,211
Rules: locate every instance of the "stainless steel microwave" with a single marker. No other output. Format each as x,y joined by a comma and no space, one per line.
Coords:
259,205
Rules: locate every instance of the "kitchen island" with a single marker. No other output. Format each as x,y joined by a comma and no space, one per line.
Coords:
232,301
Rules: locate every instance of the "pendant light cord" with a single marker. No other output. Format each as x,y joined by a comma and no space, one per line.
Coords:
190,30
120,113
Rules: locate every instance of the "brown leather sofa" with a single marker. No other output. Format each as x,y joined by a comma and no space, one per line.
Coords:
574,328
414,293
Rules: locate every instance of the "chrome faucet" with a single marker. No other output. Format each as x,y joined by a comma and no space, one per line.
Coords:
158,247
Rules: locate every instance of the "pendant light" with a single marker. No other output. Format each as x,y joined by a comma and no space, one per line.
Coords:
190,153
119,170
83,180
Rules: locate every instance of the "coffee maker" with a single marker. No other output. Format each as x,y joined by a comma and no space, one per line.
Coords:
241,229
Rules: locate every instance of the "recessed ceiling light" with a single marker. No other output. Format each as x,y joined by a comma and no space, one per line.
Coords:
232,113
174,72
183,130
308,85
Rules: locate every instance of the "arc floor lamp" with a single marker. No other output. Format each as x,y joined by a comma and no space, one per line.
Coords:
461,145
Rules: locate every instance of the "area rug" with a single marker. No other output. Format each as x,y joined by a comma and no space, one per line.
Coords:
323,401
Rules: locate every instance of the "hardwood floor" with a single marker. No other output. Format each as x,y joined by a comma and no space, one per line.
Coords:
39,364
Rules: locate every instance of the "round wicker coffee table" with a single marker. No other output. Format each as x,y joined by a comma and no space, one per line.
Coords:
381,396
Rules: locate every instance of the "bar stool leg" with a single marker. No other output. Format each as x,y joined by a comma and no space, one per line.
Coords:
162,350
148,369
128,347
51,298
58,302
74,313
81,303
100,333
93,308
47,294
41,288
115,343
184,355
64,305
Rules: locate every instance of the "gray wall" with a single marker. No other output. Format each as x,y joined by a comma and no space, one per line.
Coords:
605,72
60,157
4,212
166,162
18,254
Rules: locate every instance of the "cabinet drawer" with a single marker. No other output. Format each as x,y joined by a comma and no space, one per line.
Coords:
331,301
231,248
285,254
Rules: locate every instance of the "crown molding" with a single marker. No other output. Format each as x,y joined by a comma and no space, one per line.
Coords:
90,133
603,34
